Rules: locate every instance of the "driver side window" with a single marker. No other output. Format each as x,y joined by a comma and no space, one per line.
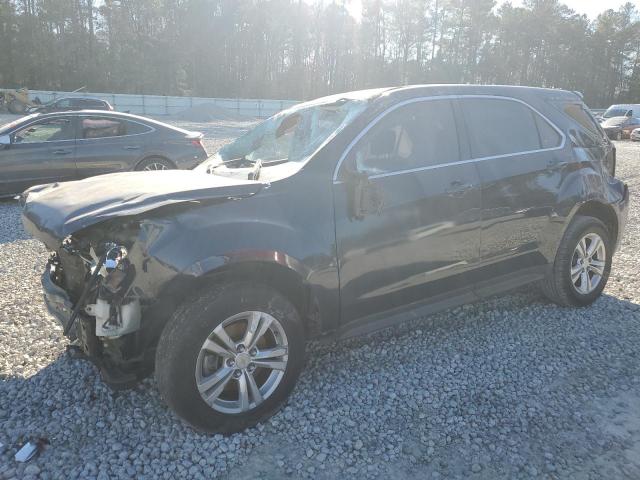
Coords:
50,130
420,134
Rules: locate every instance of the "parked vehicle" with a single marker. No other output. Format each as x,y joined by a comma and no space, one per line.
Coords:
67,104
635,135
624,110
335,218
618,128
43,148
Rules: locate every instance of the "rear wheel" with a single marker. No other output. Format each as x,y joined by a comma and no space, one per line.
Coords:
619,136
230,357
582,265
155,163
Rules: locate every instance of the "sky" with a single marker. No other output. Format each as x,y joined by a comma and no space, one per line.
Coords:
591,7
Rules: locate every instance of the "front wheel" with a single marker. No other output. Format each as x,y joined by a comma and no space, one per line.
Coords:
619,136
582,265
230,357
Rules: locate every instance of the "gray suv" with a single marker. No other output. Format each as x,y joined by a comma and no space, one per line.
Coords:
331,219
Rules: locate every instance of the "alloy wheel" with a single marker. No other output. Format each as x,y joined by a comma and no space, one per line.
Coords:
155,166
588,263
242,362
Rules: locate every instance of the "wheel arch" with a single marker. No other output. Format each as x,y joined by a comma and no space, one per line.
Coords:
283,279
279,275
601,211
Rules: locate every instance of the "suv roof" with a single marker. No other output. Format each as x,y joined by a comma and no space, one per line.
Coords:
409,91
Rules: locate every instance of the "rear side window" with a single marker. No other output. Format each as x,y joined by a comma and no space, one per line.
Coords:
503,127
94,104
549,136
100,127
416,135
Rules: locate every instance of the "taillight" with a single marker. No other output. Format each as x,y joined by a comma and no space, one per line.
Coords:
197,143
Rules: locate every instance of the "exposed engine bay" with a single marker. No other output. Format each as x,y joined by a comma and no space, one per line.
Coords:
98,275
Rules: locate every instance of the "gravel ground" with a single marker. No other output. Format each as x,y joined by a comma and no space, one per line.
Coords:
513,387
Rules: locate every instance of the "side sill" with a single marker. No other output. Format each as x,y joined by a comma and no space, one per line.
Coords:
510,281
413,311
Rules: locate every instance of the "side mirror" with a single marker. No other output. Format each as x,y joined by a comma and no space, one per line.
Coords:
364,197
629,113
5,141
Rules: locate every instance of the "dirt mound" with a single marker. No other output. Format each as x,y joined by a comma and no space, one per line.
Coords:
207,112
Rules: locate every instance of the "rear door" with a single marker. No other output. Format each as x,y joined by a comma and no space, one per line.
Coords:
109,144
407,212
40,152
520,158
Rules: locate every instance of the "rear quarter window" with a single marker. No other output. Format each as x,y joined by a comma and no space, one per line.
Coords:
590,134
136,128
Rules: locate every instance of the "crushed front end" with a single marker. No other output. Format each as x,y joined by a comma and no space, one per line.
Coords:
88,286
117,267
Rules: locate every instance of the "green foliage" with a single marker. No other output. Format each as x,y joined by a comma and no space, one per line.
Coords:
303,49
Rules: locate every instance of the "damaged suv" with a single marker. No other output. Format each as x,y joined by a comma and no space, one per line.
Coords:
331,219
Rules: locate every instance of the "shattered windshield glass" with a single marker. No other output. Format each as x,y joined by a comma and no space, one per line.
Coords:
293,135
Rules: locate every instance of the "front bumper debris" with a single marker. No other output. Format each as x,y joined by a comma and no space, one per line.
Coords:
56,299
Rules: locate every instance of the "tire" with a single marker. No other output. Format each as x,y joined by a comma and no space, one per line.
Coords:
17,107
619,136
559,286
179,356
155,163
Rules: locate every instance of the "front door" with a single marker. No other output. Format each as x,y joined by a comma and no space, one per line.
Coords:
407,212
42,152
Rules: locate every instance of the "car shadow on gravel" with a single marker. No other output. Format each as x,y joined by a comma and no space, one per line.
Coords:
508,386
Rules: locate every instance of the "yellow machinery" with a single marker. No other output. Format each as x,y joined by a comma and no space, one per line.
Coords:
16,101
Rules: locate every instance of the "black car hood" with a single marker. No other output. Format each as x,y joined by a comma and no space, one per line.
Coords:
60,209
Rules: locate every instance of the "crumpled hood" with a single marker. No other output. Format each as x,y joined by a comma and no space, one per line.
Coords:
59,209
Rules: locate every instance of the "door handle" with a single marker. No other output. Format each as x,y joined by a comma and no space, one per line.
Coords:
131,147
457,188
62,152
